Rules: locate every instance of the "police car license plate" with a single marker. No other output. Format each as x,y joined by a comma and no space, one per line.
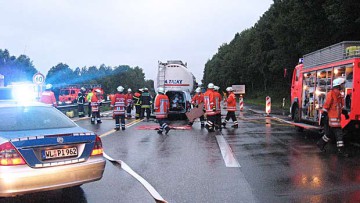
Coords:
59,153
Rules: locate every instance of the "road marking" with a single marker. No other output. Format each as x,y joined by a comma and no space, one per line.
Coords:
226,152
146,184
127,125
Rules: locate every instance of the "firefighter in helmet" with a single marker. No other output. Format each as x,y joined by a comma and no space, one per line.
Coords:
88,99
95,106
146,102
137,103
331,116
231,108
80,102
217,97
210,107
119,104
161,108
196,100
129,99
48,96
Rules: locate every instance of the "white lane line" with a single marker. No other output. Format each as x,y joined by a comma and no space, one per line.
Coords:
226,152
146,184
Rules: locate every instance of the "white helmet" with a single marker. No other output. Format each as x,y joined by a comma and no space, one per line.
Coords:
129,90
161,90
229,89
198,90
48,86
141,89
338,81
216,88
83,89
211,86
120,89
145,89
98,91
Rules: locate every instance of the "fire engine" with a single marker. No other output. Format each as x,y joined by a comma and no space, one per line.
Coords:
68,94
312,79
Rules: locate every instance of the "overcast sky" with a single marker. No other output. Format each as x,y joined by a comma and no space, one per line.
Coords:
119,32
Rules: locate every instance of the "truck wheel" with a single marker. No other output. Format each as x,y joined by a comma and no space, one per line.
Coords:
296,117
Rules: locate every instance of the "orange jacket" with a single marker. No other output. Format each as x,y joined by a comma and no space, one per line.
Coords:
95,103
197,99
333,105
161,106
217,97
209,103
231,102
48,97
119,103
129,99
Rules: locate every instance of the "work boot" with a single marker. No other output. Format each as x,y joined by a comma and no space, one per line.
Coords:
117,129
235,126
321,144
99,121
341,152
202,125
167,129
122,128
223,124
159,131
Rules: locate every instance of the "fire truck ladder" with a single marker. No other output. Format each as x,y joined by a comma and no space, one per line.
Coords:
161,75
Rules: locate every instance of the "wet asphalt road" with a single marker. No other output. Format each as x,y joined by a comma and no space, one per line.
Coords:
277,164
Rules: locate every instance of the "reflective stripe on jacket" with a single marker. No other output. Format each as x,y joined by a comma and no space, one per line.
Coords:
209,102
231,102
119,103
162,106
217,97
333,105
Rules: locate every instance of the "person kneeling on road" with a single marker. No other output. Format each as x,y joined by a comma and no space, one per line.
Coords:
332,110
161,108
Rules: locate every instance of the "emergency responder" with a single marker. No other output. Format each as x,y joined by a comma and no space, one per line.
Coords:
146,101
137,103
80,102
129,99
196,100
48,96
231,108
210,107
217,97
161,108
95,106
88,99
331,115
119,104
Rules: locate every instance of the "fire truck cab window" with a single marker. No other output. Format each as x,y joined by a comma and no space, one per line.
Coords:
348,85
309,85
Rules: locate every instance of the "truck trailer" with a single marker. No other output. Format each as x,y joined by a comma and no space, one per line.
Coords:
178,82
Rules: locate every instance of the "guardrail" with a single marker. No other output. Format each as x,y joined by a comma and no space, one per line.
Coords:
74,108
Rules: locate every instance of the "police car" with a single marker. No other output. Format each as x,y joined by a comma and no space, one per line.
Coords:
42,149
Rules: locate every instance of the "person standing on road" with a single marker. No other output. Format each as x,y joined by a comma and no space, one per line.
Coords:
119,104
80,103
95,106
129,100
332,110
137,103
210,107
231,108
146,101
161,108
198,99
217,97
48,96
88,99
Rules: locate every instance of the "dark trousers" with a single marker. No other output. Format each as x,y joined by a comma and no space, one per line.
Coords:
89,109
81,112
210,124
143,110
128,111
117,121
163,123
230,114
137,111
218,121
97,116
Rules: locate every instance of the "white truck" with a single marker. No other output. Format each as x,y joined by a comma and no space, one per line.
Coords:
178,82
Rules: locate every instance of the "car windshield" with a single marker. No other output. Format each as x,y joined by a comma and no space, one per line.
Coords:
32,118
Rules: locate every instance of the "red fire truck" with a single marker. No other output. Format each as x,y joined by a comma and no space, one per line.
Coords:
312,79
69,93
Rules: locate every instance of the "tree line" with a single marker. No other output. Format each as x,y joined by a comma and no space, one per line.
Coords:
263,56
21,68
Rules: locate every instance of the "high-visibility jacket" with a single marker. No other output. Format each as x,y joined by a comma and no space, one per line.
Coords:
88,96
197,99
333,105
129,99
81,99
119,103
231,102
136,99
95,103
217,97
48,97
209,103
145,100
161,106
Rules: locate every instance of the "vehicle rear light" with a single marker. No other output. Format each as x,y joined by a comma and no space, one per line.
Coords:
98,149
9,156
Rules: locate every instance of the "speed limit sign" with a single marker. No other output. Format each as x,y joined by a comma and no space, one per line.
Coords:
38,78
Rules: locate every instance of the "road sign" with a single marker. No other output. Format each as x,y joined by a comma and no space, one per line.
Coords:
239,89
38,78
